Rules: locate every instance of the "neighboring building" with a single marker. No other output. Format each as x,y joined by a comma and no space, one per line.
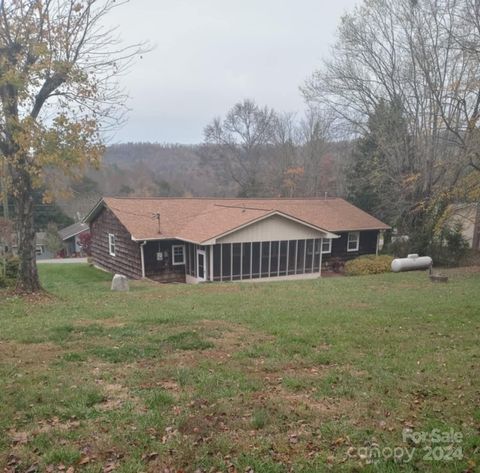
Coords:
468,216
71,238
195,240
41,250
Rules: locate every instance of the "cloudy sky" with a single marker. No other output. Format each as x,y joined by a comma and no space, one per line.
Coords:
209,54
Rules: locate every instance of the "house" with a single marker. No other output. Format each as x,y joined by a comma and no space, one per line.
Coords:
468,216
195,240
71,238
41,247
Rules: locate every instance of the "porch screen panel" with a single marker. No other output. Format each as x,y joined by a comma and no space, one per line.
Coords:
236,260
256,260
309,257
216,262
316,259
226,262
292,261
265,259
300,256
274,259
283,258
246,270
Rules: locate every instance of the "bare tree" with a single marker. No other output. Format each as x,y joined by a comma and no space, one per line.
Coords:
58,92
315,141
242,139
422,59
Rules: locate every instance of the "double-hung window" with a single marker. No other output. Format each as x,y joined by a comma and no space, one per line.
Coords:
353,242
326,245
178,254
111,244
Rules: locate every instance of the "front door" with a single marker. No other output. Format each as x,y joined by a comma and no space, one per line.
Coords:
201,265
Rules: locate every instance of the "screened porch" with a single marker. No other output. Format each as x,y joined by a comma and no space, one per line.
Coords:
254,260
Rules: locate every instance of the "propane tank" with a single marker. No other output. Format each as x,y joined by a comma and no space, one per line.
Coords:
411,263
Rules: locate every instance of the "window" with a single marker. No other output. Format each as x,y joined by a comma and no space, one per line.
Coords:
39,250
353,242
327,245
178,254
111,244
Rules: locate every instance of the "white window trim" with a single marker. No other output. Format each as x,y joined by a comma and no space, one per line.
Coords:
110,237
205,270
357,241
177,263
329,241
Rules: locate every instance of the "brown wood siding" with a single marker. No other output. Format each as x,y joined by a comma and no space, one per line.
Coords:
368,246
165,270
127,259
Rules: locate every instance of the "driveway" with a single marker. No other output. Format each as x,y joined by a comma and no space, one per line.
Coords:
62,260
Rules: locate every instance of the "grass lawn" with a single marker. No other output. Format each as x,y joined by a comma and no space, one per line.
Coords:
275,377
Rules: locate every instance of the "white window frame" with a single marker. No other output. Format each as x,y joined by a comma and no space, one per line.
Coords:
112,243
329,241
174,262
205,270
357,240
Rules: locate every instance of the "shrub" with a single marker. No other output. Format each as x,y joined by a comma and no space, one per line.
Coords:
8,274
368,265
449,247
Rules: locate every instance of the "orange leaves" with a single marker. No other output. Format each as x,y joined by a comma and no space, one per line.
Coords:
292,177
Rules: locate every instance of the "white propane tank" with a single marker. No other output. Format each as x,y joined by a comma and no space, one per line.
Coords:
411,263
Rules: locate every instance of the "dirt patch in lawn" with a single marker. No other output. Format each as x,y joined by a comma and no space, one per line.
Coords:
227,338
324,407
28,353
111,322
116,394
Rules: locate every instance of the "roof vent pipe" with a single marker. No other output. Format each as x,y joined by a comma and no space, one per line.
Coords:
157,216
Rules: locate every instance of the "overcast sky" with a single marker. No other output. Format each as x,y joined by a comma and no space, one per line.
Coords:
209,54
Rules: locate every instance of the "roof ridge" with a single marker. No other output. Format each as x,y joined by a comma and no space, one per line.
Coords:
223,198
242,207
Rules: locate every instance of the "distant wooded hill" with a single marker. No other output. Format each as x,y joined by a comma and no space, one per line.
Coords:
153,169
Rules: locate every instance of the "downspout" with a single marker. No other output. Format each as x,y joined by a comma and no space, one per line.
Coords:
142,257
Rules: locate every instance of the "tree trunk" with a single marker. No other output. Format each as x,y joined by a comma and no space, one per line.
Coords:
28,280
6,213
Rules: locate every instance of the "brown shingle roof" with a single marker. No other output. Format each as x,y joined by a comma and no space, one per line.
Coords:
202,219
